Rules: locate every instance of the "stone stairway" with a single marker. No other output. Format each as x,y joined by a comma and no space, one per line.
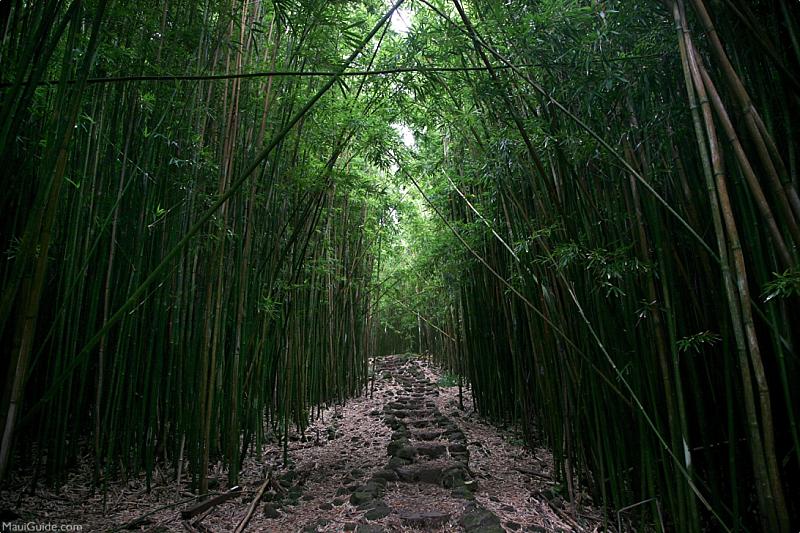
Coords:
426,447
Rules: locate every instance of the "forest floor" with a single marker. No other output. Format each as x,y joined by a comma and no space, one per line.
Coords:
405,457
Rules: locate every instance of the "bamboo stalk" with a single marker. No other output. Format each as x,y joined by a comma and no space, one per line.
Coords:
770,492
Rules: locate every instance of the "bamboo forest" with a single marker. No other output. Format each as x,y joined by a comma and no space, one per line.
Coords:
400,265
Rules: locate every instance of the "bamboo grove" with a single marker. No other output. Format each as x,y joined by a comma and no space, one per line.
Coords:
263,314
210,223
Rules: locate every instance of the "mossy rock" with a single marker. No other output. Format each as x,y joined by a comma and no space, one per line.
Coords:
271,511
406,452
479,520
462,492
385,474
358,497
397,462
378,510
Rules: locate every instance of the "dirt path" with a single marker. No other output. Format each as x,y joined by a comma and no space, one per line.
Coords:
405,459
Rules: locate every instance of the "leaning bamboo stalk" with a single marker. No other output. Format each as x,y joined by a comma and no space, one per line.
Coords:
747,169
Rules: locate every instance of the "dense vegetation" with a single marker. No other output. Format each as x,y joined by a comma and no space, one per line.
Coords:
210,221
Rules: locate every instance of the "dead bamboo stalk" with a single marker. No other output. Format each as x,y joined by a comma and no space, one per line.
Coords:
252,507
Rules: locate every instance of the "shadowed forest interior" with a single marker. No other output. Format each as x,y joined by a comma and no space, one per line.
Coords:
220,216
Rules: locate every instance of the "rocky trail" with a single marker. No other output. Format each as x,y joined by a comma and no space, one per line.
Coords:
404,457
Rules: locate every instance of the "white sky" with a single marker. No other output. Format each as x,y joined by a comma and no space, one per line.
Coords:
400,23
405,134
401,20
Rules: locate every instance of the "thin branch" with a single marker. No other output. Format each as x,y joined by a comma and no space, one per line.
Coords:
312,73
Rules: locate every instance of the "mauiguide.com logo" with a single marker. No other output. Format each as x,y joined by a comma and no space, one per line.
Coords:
12,527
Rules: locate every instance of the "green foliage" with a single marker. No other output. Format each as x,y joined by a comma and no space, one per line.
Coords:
697,341
784,285
448,379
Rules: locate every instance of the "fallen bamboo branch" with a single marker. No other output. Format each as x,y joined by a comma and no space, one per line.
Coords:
529,472
252,508
566,518
196,523
139,520
199,507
